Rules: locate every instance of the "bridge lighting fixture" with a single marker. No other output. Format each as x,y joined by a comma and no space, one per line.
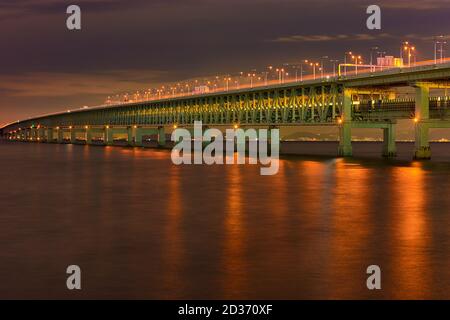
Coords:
175,126
236,126
416,120
340,121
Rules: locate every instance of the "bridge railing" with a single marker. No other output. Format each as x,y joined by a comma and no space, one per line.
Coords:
399,109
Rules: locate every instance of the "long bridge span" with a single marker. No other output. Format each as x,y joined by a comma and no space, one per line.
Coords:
366,100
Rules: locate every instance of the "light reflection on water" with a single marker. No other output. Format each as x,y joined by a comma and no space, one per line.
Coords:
140,227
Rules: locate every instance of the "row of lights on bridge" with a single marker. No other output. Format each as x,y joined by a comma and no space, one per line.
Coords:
175,126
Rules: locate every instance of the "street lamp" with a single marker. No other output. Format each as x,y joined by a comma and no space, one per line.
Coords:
372,50
251,76
227,81
334,62
280,74
322,68
314,65
349,53
408,48
358,60
439,43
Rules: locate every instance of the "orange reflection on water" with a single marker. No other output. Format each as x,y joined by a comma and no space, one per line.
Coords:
351,228
234,263
410,263
173,252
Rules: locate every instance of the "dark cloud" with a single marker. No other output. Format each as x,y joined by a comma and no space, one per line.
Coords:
139,43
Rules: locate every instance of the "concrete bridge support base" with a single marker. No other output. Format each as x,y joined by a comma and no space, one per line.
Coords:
60,136
345,140
50,137
345,127
161,137
422,145
73,136
89,136
389,148
131,134
108,137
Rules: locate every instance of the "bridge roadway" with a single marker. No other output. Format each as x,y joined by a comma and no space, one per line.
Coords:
356,101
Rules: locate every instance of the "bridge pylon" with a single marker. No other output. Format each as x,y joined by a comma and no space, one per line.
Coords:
345,125
422,149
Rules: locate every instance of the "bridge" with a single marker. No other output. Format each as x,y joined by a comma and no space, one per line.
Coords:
365,100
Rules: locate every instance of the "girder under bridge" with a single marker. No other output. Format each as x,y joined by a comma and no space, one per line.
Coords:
364,101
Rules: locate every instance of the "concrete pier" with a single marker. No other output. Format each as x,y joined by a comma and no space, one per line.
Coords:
345,126
389,147
422,145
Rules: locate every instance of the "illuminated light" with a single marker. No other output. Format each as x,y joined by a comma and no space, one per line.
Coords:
416,120
236,126
70,127
175,126
135,127
339,121
86,127
57,128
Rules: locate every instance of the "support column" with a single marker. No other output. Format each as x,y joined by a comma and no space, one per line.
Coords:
73,135
422,144
345,127
88,135
109,136
49,135
33,134
389,147
138,137
161,137
40,134
60,135
131,135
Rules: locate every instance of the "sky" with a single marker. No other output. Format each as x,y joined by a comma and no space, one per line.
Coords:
131,45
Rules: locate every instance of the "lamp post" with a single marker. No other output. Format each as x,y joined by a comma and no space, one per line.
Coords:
280,74
314,65
409,48
439,42
349,53
227,81
372,50
334,66
301,69
251,76
322,68
358,60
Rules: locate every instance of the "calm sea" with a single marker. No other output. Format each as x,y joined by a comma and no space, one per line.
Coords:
140,227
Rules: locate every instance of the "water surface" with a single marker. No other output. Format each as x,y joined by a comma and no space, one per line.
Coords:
140,227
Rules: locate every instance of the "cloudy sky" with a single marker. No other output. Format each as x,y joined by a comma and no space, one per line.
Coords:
136,44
